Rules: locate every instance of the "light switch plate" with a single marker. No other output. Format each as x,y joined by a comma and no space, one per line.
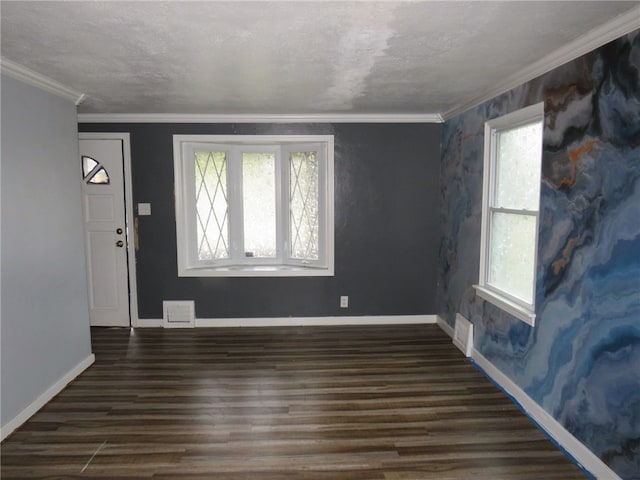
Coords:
144,209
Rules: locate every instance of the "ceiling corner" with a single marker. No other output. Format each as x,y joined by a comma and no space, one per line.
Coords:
30,77
593,39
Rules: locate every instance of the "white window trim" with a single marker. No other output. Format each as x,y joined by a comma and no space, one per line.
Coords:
514,306
259,268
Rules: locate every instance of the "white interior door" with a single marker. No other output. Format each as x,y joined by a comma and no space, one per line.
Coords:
105,230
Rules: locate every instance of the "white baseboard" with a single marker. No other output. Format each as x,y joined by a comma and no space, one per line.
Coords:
300,321
148,323
315,321
576,449
43,399
446,328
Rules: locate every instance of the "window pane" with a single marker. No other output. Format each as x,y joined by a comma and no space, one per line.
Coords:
512,253
303,221
212,229
100,178
88,164
518,167
259,204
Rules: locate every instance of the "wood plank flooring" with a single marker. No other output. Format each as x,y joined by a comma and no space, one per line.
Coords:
366,402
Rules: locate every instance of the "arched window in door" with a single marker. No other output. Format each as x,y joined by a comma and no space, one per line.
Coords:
93,172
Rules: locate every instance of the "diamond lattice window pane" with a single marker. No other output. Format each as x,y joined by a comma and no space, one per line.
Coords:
259,204
212,205
303,219
512,253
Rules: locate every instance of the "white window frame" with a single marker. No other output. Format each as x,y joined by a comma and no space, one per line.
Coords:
238,265
502,299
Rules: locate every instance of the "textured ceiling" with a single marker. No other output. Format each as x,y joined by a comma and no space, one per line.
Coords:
313,57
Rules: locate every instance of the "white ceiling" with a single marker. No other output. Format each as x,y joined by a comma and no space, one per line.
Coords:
306,57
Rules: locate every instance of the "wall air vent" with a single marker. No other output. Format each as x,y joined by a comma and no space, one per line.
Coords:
463,335
178,314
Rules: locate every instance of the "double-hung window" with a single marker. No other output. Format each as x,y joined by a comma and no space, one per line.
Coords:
254,205
511,198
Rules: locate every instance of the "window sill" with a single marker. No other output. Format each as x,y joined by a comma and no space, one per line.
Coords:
518,311
256,271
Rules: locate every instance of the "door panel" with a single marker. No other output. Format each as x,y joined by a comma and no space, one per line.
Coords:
100,208
103,261
104,210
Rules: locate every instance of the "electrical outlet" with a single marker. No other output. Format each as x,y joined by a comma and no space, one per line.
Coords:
344,301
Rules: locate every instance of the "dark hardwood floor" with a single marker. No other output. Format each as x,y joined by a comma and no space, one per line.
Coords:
373,402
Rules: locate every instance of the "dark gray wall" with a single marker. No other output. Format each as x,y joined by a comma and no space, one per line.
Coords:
386,225
45,311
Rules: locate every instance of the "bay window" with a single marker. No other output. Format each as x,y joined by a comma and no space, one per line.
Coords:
254,205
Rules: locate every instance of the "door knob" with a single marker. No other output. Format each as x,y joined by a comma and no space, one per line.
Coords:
119,243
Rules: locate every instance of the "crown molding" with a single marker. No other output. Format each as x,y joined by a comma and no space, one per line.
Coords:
257,118
599,36
26,75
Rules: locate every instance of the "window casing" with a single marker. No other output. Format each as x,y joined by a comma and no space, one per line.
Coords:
254,205
510,213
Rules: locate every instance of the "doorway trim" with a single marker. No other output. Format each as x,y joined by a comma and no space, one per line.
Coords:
129,214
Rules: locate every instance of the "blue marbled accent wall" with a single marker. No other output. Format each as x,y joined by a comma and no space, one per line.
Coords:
581,362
